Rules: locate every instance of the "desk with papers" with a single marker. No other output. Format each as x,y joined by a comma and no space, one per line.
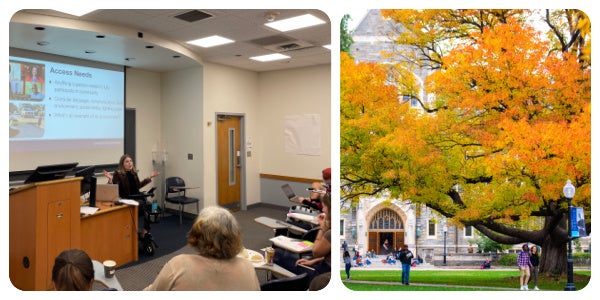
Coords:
291,244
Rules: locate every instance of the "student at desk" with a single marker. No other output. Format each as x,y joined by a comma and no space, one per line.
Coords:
320,263
317,191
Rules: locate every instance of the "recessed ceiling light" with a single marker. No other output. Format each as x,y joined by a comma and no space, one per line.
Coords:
211,41
269,57
76,11
176,56
149,47
39,28
295,23
100,36
90,51
42,43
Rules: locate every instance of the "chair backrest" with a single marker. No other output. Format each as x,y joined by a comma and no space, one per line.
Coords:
295,283
174,182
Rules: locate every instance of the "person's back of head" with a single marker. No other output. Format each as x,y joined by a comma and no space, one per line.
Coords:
216,233
73,271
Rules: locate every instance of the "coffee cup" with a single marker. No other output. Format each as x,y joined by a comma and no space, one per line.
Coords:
109,268
269,254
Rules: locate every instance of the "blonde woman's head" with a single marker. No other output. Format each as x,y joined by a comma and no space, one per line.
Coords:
216,233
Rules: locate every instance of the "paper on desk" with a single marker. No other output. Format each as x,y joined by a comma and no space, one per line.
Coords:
292,244
129,202
304,217
88,210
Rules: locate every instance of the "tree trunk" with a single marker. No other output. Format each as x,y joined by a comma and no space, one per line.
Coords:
553,257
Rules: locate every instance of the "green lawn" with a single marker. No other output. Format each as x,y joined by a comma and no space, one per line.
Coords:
466,280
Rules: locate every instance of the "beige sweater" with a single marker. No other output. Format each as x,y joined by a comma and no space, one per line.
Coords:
192,272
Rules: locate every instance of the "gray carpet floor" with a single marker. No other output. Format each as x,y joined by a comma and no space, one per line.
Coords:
256,236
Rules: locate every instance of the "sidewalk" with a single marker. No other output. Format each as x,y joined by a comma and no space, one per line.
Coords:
377,264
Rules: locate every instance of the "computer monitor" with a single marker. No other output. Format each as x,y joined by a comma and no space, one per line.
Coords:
50,172
87,173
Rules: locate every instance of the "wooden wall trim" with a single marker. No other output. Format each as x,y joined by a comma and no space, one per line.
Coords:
289,178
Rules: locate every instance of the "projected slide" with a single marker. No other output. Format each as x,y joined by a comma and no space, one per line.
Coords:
58,101
62,106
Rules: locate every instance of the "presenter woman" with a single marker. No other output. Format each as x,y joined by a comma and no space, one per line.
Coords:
129,183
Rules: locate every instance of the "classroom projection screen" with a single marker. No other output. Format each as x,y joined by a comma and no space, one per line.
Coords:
64,110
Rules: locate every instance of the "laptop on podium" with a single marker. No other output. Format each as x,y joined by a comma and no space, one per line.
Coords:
107,192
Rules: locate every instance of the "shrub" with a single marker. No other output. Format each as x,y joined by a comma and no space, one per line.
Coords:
508,259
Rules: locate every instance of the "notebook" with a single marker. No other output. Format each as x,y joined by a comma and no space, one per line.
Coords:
289,193
107,192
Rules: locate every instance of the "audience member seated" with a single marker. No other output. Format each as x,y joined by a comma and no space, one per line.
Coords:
318,190
216,236
321,252
358,261
486,264
390,260
73,270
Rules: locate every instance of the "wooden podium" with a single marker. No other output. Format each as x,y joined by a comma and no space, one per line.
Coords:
43,221
111,233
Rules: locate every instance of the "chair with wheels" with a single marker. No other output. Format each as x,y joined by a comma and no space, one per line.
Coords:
295,283
175,193
146,241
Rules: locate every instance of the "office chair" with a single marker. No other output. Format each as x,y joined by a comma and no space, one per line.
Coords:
295,283
175,193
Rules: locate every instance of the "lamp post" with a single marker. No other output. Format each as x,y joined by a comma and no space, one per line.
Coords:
569,192
445,233
417,234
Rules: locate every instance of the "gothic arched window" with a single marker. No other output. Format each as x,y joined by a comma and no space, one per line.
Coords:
386,219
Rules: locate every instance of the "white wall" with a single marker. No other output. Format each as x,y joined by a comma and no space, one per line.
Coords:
142,91
182,134
298,91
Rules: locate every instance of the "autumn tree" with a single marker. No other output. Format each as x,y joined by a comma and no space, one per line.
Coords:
510,124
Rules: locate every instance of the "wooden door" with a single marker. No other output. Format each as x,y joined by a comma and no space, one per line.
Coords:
373,242
399,239
229,161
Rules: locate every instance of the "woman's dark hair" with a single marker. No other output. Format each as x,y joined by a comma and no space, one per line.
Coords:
73,271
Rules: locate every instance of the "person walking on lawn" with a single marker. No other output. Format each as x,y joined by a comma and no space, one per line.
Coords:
406,259
524,263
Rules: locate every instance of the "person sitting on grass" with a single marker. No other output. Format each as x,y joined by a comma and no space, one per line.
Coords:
486,264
